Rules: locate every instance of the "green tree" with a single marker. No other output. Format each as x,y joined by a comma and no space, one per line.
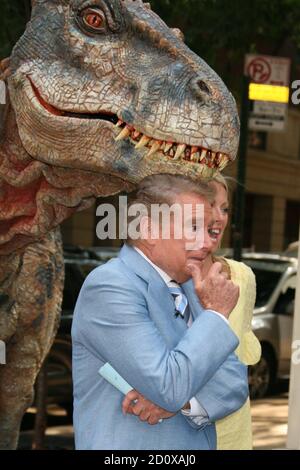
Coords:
14,15
223,31
220,31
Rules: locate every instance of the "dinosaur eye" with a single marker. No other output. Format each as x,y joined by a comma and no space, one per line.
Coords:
93,19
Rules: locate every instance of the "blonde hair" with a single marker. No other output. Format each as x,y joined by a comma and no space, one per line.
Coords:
219,178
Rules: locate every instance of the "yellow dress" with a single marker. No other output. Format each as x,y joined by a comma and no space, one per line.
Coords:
235,431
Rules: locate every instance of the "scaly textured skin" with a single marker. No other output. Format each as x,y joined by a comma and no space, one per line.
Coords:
100,95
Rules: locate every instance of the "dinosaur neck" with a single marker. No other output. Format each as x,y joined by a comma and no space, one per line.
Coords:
35,197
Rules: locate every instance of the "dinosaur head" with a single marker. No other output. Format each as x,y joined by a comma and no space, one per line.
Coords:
104,86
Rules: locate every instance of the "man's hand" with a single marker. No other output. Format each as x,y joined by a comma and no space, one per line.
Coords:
215,291
137,404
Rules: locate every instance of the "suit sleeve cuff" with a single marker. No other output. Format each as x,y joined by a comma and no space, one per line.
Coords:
220,315
195,410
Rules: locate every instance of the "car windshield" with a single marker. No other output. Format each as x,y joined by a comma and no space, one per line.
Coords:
267,275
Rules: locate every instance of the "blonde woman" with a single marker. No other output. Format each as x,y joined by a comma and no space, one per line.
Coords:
235,431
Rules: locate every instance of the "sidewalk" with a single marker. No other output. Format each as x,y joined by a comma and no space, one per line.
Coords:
270,417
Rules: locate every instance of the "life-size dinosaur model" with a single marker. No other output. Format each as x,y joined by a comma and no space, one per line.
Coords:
101,93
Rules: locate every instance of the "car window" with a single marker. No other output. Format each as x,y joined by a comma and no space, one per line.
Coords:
267,276
266,281
285,304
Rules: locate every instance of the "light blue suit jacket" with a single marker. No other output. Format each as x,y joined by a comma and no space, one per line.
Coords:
125,315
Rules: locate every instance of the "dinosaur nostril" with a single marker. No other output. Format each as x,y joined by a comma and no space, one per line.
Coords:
203,87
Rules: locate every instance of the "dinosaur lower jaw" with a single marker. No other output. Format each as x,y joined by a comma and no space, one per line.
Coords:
172,150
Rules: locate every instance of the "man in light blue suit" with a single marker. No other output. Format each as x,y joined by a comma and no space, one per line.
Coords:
163,328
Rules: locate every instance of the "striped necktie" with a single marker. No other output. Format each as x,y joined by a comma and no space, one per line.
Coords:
181,302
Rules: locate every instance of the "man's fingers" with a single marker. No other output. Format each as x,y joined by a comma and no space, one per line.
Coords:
127,402
138,408
144,415
195,272
225,275
130,410
215,269
153,420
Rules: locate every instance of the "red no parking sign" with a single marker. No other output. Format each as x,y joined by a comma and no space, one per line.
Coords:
269,70
259,69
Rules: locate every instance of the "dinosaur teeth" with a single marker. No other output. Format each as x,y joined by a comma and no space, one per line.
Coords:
168,146
180,150
143,142
173,150
155,146
195,157
136,135
203,155
123,134
223,159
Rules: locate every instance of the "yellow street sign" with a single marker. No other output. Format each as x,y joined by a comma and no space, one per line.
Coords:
276,94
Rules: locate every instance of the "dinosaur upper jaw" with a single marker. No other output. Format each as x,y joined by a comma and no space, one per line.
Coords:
103,115
165,149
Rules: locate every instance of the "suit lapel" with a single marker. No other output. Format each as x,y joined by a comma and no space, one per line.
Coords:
160,301
162,311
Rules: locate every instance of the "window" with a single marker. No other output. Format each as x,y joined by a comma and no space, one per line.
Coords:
266,281
285,304
267,273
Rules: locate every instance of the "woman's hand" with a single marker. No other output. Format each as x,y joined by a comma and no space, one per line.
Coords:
137,404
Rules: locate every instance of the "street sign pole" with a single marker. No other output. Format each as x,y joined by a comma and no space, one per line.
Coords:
239,213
